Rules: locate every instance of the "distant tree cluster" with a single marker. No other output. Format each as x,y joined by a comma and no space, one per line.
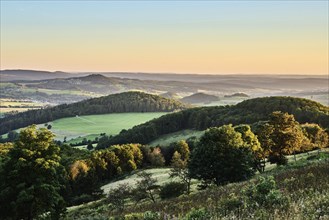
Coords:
117,103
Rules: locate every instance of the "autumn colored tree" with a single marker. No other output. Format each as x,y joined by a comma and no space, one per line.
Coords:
318,136
251,142
183,149
179,169
286,135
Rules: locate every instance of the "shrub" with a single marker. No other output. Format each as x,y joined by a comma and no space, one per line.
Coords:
278,159
198,214
117,197
230,204
134,216
149,215
264,193
83,198
171,190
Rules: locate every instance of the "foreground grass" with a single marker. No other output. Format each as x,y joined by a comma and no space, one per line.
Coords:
302,185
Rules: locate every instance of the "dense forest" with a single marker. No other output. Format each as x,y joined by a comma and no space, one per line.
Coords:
116,103
246,112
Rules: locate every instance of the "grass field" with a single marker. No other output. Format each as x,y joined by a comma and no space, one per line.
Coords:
167,139
92,125
9,105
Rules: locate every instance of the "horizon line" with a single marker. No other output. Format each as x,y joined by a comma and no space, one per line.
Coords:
169,73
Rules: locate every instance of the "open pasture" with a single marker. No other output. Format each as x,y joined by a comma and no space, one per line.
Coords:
93,125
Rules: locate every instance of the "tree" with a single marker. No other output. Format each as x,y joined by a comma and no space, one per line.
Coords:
251,142
90,146
179,169
317,136
12,136
156,158
118,196
221,157
182,148
5,148
287,137
32,177
146,187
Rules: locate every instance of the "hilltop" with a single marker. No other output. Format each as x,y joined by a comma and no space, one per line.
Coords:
248,112
200,98
13,75
62,87
116,103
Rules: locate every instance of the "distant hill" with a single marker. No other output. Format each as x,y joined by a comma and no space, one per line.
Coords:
170,95
238,94
246,112
200,98
116,103
14,75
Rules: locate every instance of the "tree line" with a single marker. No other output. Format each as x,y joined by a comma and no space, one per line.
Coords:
247,112
116,103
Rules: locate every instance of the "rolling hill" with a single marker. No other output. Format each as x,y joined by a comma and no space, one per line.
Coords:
116,103
14,75
200,98
246,112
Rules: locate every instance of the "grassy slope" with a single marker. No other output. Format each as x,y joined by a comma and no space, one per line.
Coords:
91,126
167,139
95,124
286,177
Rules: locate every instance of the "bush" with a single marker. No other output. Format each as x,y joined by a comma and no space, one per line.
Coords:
198,214
264,193
83,198
278,159
232,203
134,216
171,190
149,215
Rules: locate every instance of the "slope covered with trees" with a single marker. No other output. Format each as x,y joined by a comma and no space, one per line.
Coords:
116,103
246,112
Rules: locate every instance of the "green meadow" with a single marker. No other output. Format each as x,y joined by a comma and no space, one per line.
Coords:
92,125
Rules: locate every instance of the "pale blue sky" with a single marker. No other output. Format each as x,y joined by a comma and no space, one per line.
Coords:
175,28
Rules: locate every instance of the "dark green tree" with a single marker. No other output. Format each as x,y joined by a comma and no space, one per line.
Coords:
221,157
90,146
32,177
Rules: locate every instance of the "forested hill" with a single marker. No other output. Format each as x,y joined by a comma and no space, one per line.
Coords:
249,111
116,103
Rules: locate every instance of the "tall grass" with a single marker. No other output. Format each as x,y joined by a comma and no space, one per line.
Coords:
300,191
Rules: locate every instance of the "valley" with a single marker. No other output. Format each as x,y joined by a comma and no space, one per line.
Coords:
133,154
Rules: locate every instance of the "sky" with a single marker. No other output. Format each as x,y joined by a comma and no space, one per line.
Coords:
212,37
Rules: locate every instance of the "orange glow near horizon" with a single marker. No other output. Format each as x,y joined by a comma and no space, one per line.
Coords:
269,47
